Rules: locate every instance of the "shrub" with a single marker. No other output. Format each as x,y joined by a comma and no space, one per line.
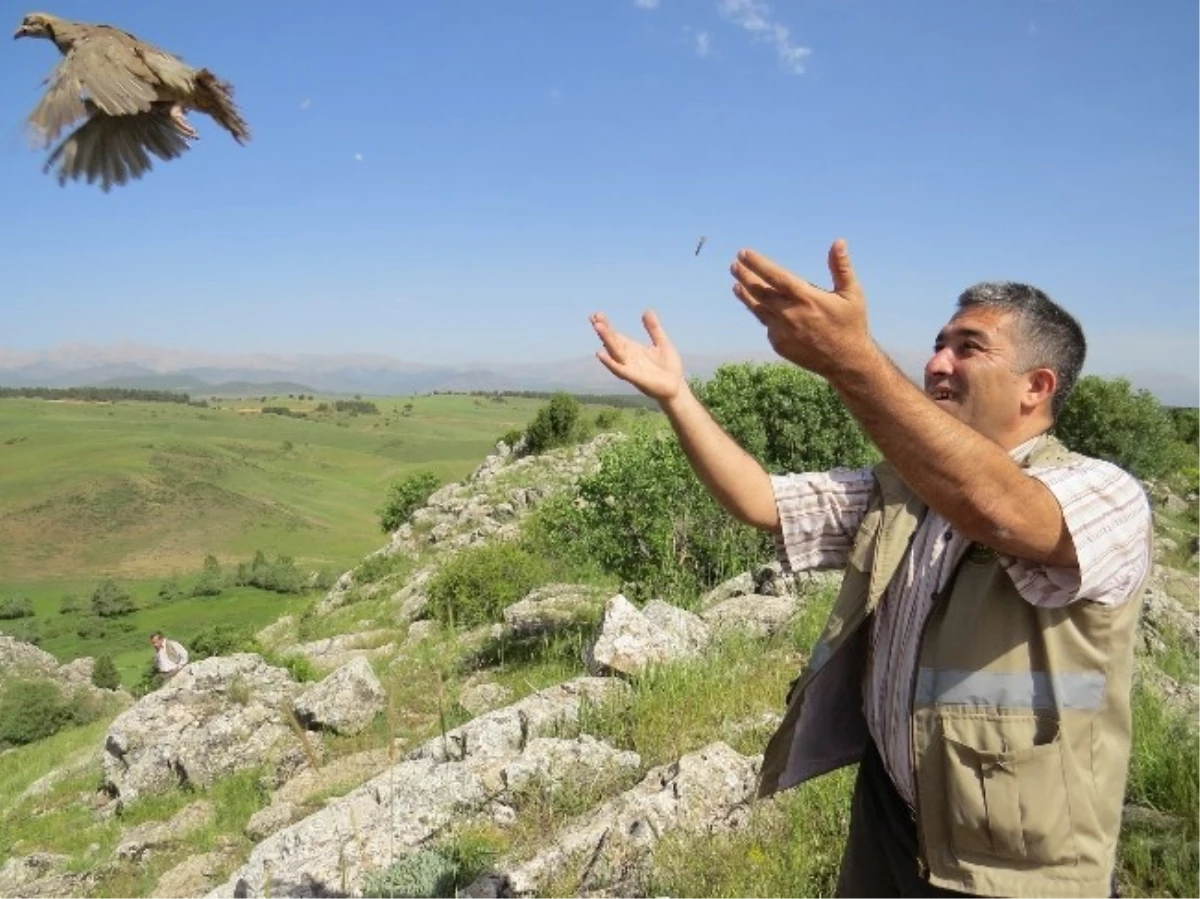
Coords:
555,424
280,576
404,496
475,585
169,590
788,419
220,640
425,873
69,604
105,674
300,667
16,607
211,581
110,601
32,710
1110,420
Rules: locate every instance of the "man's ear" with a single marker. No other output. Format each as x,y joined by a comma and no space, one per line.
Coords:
1040,388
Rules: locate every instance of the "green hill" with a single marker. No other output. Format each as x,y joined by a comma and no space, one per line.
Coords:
137,490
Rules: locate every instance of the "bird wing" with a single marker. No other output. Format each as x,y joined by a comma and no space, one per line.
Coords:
101,68
116,149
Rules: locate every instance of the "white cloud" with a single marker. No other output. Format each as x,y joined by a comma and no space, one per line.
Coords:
358,157
756,17
646,4
702,43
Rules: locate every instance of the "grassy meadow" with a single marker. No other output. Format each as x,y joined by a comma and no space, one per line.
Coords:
142,491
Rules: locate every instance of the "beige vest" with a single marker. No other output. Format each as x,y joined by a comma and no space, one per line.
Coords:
1020,718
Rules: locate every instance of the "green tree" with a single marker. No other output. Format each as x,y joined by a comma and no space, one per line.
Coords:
105,675
211,581
404,496
555,424
1108,419
787,418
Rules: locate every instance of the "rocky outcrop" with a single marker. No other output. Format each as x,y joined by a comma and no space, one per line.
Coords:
20,660
488,505
140,841
217,716
345,701
440,781
607,851
334,652
630,639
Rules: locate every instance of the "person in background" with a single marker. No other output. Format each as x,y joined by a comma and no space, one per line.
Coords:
169,655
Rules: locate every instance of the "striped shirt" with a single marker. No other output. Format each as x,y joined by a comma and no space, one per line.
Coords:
1106,513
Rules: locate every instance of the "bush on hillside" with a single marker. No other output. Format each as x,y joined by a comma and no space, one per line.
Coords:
280,576
474,586
211,581
105,674
426,873
788,419
220,640
16,607
404,497
109,600
558,423
69,604
32,710
1187,424
1108,419
170,590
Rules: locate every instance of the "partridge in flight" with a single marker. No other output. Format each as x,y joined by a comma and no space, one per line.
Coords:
132,98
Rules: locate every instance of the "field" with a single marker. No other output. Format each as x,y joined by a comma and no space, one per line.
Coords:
142,491
135,490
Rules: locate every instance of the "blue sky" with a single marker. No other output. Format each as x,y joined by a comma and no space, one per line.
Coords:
459,181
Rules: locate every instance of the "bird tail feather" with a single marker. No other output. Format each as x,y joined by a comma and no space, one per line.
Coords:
215,98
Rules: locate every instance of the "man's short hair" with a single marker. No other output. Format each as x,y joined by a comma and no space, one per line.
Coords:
156,634
1047,335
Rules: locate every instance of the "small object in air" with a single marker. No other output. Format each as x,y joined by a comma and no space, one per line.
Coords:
700,246
133,99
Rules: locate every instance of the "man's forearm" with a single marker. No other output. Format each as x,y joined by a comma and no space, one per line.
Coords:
735,478
968,478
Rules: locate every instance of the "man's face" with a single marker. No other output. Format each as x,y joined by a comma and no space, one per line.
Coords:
973,373
156,642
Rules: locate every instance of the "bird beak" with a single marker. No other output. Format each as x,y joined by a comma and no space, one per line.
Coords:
20,32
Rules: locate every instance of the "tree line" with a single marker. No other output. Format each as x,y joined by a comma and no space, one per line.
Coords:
98,394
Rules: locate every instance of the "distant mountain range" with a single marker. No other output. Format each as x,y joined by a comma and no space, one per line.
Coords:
199,373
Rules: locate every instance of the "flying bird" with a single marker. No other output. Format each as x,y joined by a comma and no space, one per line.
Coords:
133,99
700,246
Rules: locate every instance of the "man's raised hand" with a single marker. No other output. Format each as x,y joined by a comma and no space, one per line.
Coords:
655,370
821,330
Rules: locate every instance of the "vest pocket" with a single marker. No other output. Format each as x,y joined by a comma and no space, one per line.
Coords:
1010,805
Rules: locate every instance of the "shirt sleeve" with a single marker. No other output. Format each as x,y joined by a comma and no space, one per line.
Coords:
819,513
1108,516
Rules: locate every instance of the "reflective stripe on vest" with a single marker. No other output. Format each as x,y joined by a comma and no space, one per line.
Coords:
1015,690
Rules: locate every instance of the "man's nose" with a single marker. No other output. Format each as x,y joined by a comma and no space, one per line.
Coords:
940,363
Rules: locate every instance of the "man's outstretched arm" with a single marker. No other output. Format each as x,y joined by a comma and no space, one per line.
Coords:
968,478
